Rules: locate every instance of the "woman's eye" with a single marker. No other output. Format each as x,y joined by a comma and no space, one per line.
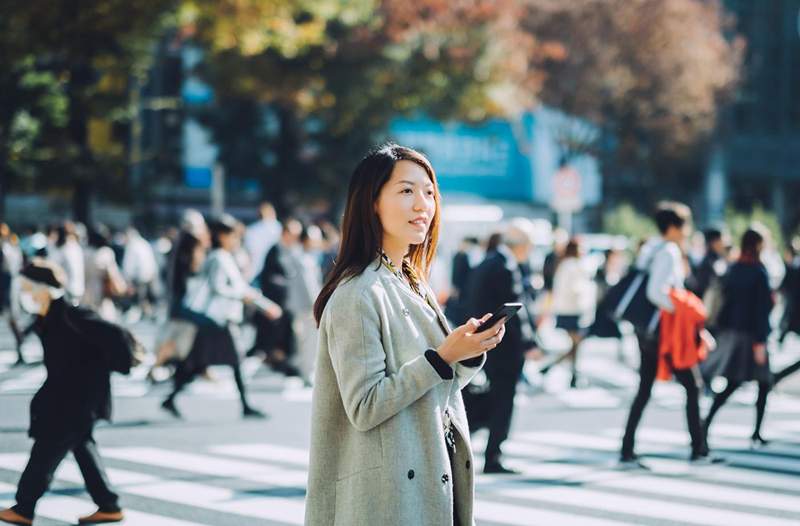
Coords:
407,191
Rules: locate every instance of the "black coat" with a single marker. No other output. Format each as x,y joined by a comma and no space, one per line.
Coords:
747,300
495,281
80,351
274,280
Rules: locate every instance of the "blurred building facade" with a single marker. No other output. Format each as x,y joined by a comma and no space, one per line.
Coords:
757,156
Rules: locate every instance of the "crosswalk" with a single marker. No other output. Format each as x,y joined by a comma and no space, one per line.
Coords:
567,479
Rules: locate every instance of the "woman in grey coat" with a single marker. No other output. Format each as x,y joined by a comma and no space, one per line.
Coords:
389,436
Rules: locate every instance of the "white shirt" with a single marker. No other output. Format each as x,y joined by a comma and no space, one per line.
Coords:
573,288
664,261
258,239
70,257
139,262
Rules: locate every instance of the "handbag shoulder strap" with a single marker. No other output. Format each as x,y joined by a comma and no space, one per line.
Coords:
652,256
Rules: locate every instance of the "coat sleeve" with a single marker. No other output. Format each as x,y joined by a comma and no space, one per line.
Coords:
764,304
224,279
369,394
108,342
467,369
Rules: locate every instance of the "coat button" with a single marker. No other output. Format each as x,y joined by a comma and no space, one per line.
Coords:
410,474
445,478
469,464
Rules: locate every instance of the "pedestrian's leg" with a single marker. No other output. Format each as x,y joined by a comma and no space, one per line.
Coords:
783,373
719,400
648,350
575,338
692,382
761,407
502,392
38,474
182,377
94,475
18,337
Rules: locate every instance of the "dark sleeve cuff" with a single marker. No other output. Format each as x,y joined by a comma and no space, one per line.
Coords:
438,363
472,362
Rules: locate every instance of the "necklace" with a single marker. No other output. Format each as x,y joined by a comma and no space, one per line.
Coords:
406,275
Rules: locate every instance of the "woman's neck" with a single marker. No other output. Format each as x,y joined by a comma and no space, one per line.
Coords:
396,254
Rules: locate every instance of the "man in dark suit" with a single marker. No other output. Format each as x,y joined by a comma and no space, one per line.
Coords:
495,281
80,351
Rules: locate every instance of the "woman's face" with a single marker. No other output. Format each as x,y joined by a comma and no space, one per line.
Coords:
228,241
406,205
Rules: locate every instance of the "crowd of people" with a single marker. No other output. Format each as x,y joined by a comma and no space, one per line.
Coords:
201,280
710,318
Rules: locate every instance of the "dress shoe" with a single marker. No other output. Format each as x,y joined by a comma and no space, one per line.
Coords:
496,468
632,462
10,516
705,459
757,441
168,405
251,412
102,517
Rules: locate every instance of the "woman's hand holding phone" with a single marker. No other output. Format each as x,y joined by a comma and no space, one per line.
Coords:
465,343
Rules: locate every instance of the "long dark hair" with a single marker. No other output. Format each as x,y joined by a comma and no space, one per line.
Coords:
752,241
362,234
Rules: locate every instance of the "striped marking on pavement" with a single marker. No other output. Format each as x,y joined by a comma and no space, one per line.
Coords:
68,509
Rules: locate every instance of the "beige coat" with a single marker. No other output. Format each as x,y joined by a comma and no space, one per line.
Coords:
378,455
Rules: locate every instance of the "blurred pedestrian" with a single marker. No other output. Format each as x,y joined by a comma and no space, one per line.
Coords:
178,335
80,351
790,287
467,257
663,259
604,326
260,237
389,371
11,260
68,254
304,287
220,296
104,279
498,280
574,296
140,269
713,265
275,339
741,355
560,239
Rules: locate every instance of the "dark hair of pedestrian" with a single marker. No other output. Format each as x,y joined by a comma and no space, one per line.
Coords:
494,241
99,236
711,235
572,250
669,214
752,241
224,224
362,233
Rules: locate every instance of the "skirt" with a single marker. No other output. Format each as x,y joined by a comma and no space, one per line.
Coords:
569,323
733,359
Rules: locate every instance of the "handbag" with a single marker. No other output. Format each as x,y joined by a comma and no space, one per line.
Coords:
627,299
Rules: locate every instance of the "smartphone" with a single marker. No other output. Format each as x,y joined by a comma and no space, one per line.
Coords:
506,311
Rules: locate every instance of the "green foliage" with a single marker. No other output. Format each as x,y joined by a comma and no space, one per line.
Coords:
739,221
625,220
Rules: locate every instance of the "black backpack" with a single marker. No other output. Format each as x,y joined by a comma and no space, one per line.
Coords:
627,299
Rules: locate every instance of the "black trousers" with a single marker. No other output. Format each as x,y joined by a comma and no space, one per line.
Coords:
688,378
503,388
47,454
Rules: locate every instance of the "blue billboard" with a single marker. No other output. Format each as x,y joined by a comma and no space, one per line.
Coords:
512,160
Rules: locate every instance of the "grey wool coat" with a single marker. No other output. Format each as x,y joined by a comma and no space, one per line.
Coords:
378,454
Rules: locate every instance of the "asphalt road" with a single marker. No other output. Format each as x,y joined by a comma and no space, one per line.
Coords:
215,468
